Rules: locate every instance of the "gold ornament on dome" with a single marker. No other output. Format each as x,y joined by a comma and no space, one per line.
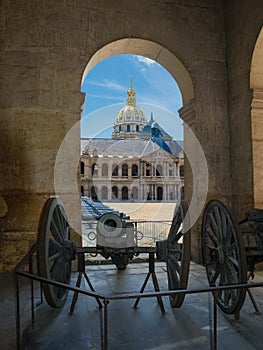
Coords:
131,94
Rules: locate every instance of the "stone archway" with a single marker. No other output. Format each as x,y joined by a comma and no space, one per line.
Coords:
159,193
151,50
172,64
44,61
256,84
180,73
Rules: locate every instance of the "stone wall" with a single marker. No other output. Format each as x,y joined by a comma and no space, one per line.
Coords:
243,21
46,46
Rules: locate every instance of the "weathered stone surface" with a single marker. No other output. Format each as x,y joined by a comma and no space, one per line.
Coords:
45,48
243,23
13,247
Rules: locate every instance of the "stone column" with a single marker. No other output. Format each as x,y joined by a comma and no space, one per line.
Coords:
206,129
257,146
129,169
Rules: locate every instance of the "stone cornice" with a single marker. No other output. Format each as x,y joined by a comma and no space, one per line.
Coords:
257,101
187,113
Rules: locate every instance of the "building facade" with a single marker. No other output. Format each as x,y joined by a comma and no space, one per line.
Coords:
140,162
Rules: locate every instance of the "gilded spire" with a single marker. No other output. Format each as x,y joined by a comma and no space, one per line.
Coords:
131,100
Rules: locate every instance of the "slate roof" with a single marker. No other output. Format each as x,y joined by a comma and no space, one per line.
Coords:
147,130
129,147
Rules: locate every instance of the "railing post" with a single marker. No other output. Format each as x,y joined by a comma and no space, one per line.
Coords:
32,292
106,326
215,326
17,310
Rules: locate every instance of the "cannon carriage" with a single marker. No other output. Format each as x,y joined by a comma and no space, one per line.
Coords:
114,234
230,252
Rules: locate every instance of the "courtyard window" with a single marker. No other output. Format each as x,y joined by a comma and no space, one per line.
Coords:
125,170
82,168
181,171
134,170
94,170
114,192
104,192
115,170
159,170
105,170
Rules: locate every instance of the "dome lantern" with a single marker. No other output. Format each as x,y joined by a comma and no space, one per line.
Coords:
130,120
131,100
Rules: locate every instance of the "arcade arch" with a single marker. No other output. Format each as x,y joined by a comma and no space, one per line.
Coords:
179,72
153,51
256,84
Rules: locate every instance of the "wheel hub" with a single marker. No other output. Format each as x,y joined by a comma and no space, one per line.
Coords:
69,250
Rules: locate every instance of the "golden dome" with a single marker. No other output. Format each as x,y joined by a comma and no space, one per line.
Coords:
130,114
130,119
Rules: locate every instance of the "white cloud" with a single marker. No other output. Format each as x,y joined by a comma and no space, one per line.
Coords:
146,60
106,97
109,84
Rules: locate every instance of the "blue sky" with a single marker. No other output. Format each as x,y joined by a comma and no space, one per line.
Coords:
106,86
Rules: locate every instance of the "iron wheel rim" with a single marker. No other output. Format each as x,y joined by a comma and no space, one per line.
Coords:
224,256
178,256
54,262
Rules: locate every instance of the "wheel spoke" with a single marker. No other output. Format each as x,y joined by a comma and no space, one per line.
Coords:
229,234
223,255
54,245
213,223
178,236
58,221
173,278
52,255
178,259
55,256
64,224
219,223
175,263
234,262
231,248
227,297
224,226
210,247
172,237
212,236
218,271
55,229
56,269
63,221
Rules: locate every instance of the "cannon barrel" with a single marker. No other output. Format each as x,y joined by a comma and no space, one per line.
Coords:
110,225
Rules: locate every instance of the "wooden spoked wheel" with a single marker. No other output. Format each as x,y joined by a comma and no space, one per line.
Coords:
224,256
178,256
56,251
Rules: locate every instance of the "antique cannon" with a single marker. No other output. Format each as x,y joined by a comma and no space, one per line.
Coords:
229,251
251,228
116,238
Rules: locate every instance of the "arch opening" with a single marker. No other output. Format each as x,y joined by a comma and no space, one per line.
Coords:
152,50
256,84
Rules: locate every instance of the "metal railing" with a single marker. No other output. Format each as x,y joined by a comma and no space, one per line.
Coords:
145,231
155,230
106,298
